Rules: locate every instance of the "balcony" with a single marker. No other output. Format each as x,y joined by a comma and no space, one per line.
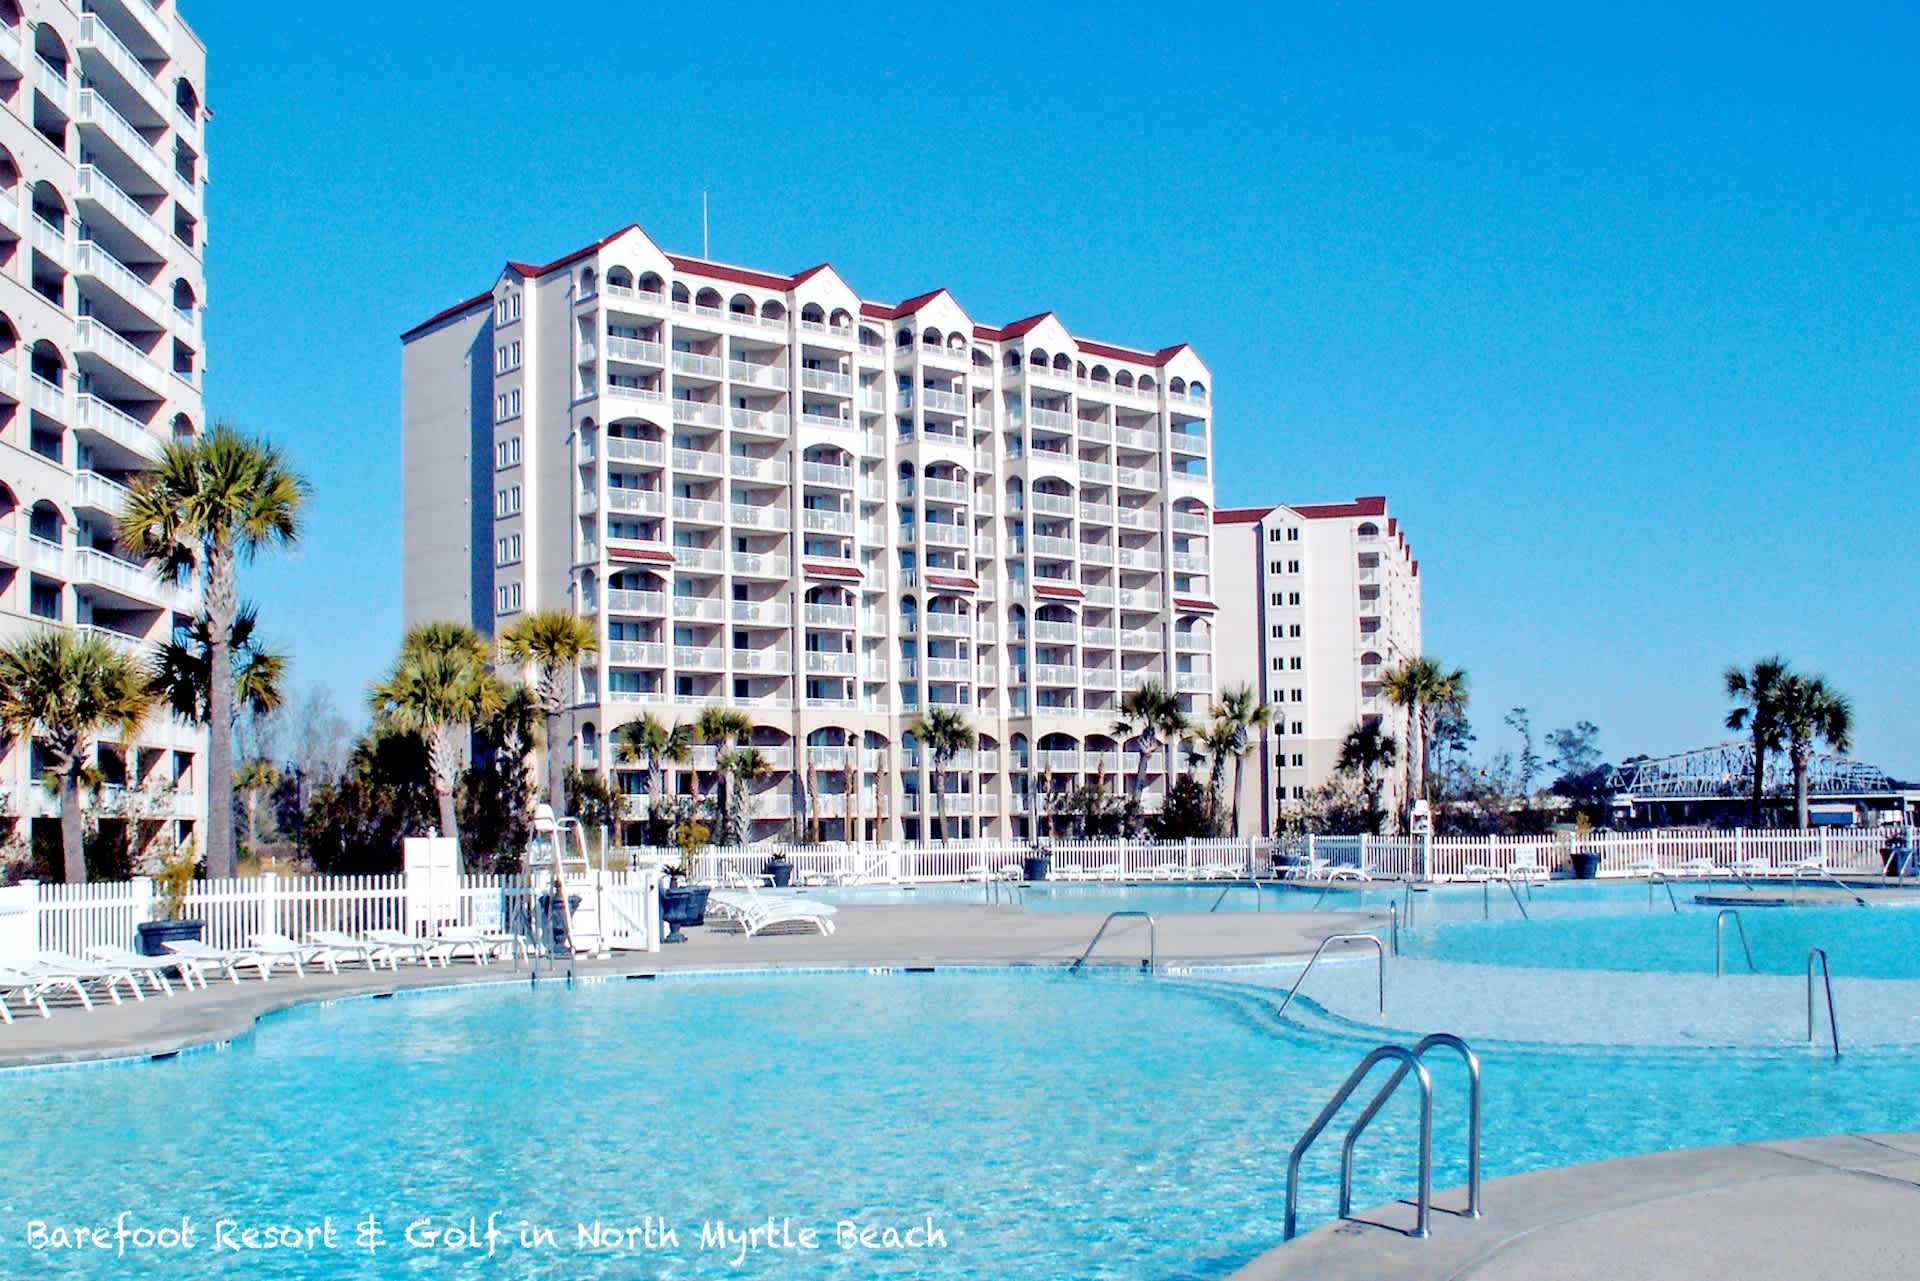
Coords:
944,402
873,669
92,490
762,517
706,658
1055,419
627,391
700,511
1095,430
817,521
760,613
635,351
49,241
1056,548
1188,523
699,609
1202,643
1138,558
1055,674
1185,442
97,38
643,502
694,365
1138,598
90,337
628,653
55,85
835,616
824,664
1097,553
772,377
47,556
761,422
1137,639
698,413
623,601
1193,682
776,662
98,117
773,471
1055,761
826,380
700,462
827,474
1056,633
941,534
946,491
1192,563
710,559
621,449
1136,478
1135,438
762,565
92,414
95,568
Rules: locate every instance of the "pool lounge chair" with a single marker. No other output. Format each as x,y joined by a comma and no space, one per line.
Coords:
344,947
1526,865
484,946
396,945
1812,865
278,948
18,985
757,913
227,960
154,967
85,974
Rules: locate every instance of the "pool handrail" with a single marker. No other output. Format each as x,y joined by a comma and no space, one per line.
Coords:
1259,895
1657,877
1486,897
1380,954
1409,1064
1826,974
1719,930
1420,1048
1153,946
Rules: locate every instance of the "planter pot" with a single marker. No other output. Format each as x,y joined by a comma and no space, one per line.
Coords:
782,873
1036,866
682,905
1586,867
155,935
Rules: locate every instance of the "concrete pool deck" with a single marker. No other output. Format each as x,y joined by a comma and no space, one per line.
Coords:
865,936
1796,1210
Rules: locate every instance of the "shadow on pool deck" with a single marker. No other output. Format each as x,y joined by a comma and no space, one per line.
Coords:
932,935
1795,1210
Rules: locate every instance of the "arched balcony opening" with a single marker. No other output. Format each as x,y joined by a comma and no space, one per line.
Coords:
186,98
681,296
1080,370
903,339
47,523
183,428
619,278
957,343
1062,364
1177,387
840,321
51,48
1146,382
46,363
1196,391
1123,379
740,305
48,206
589,282
1038,358
1100,374
930,337
651,284
773,309
707,298
813,314
1368,530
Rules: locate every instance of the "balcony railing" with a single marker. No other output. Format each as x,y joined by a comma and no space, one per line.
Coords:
621,600
823,664
644,502
756,468
700,413
690,362
826,380
773,661
707,558
771,376
710,658
760,613
767,517
762,564
764,422
637,653
700,609
622,449
89,335
818,521
827,474
627,391
699,461
635,351
96,35
94,110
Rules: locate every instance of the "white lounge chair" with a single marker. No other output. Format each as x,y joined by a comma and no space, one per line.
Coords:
344,947
1526,865
227,960
101,978
278,948
21,986
156,968
756,913
484,946
1812,865
1217,872
397,944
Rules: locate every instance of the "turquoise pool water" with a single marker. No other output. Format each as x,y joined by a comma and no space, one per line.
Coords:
1103,897
1051,1126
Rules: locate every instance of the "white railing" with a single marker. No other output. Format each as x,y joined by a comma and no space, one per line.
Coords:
97,111
637,351
90,335
627,450
764,517
826,380
744,371
624,601
767,422
700,413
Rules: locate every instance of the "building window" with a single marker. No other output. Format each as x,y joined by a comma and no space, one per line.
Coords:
1293,567
1294,631
1296,662
513,354
1279,599
1273,567
1279,664
1293,535
1293,598
1279,632
1274,535
1299,760
513,499
1299,727
1297,696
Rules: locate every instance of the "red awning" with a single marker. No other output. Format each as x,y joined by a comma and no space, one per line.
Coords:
957,584
1061,591
651,555
832,571
1206,606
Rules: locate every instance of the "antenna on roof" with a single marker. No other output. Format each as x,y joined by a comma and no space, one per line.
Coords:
704,251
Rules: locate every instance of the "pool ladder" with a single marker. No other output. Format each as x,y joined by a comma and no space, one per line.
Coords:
1153,945
1410,1064
1380,954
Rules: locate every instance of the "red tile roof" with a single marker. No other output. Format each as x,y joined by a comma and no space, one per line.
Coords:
1241,515
1374,506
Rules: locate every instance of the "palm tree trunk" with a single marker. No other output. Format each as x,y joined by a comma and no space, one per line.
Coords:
253,821
1239,765
1759,773
1802,758
223,603
1416,764
850,790
556,784
73,854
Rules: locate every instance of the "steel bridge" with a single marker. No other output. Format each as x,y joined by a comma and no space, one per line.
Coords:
1725,772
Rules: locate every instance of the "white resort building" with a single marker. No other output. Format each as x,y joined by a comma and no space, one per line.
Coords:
1316,603
102,223
829,513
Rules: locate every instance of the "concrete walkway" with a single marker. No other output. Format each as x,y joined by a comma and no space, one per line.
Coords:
943,935
1798,1210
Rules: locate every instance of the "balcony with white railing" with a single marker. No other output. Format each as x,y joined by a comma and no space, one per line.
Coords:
710,559
1187,442
1050,504
695,365
743,467
773,662
1192,563
705,658
1188,523
700,511
699,413
56,85
941,623
635,351
826,664
948,669
701,462
1055,674
99,569
98,38
48,240
943,402
624,450
1136,478
627,391
1095,430
47,556
941,534
642,502
699,609
760,613
90,413
1096,473
826,380
762,517
827,474
12,54
761,564
1138,558
91,489
749,373
626,653
1055,548
1138,639
1138,598
1192,682
818,521
97,116
1097,637
1055,419
760,422
621,600
1097,553
1196,643
90,337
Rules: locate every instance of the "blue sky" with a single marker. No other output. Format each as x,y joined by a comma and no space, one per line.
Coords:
1619,309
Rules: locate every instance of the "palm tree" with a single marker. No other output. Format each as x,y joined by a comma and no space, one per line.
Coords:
252,780
182,675
946,733
650,743
1368,752
550,643
63,691
1150,716
1219,741
1756,692
722,727
1245,713
1424,689
1810,712
210,503
442,683
740,767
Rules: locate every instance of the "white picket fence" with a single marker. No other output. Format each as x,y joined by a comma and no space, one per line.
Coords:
1672,851
971,860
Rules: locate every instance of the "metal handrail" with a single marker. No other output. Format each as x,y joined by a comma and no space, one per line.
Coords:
1719,929
1379,951
1409,1064
1393,926
1828,874
1826,974
1153,947
1420,1049
1656,878
1236,883
1486,897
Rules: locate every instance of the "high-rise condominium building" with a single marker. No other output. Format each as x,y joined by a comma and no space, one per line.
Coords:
1316,603
102,225
832,514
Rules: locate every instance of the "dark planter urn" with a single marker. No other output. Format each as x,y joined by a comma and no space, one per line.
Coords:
1586,866
155,935
1035,866
682,905
781,871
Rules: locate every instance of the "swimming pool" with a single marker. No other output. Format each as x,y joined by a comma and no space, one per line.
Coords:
1049,1126
1100,897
